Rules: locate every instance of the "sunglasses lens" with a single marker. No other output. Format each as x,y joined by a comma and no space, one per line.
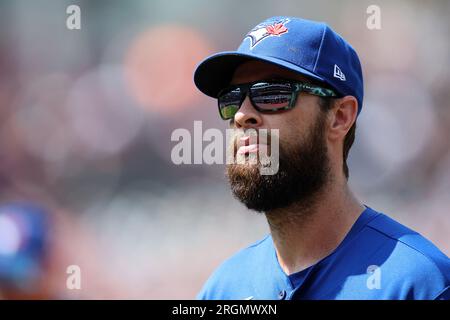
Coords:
229,103
271,96
265,96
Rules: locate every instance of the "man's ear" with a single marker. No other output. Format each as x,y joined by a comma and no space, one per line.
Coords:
342,116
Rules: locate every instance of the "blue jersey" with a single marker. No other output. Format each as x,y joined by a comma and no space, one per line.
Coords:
378,259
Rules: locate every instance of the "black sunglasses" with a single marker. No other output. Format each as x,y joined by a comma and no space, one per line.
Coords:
266,96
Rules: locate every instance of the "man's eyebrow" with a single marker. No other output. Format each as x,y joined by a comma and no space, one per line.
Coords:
275,76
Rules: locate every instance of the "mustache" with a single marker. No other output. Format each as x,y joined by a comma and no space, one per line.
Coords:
243,137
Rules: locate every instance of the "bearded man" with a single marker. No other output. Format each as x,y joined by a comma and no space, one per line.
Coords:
302,78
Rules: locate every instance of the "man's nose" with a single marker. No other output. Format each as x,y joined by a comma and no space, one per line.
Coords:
247,116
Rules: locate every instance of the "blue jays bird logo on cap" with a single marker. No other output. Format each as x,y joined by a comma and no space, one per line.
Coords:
267,29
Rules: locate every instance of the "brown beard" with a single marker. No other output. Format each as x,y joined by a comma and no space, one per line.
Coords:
303,171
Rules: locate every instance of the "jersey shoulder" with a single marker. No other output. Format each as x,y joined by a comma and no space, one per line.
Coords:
413,264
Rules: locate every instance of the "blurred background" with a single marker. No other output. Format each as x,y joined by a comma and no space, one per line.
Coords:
86,117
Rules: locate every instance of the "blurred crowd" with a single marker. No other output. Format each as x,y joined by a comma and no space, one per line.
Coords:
86,118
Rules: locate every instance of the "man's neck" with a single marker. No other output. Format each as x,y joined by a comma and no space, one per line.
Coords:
304,233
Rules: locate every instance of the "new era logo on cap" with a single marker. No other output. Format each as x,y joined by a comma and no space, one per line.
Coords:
338,73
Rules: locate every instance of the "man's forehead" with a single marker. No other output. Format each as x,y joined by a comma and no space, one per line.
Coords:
258,70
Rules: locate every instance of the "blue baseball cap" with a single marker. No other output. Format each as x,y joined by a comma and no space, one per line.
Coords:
307,47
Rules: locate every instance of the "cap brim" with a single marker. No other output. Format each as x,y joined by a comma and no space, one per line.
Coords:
215,72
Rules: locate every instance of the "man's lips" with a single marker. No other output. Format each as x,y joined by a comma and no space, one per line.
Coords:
248,149
245,147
